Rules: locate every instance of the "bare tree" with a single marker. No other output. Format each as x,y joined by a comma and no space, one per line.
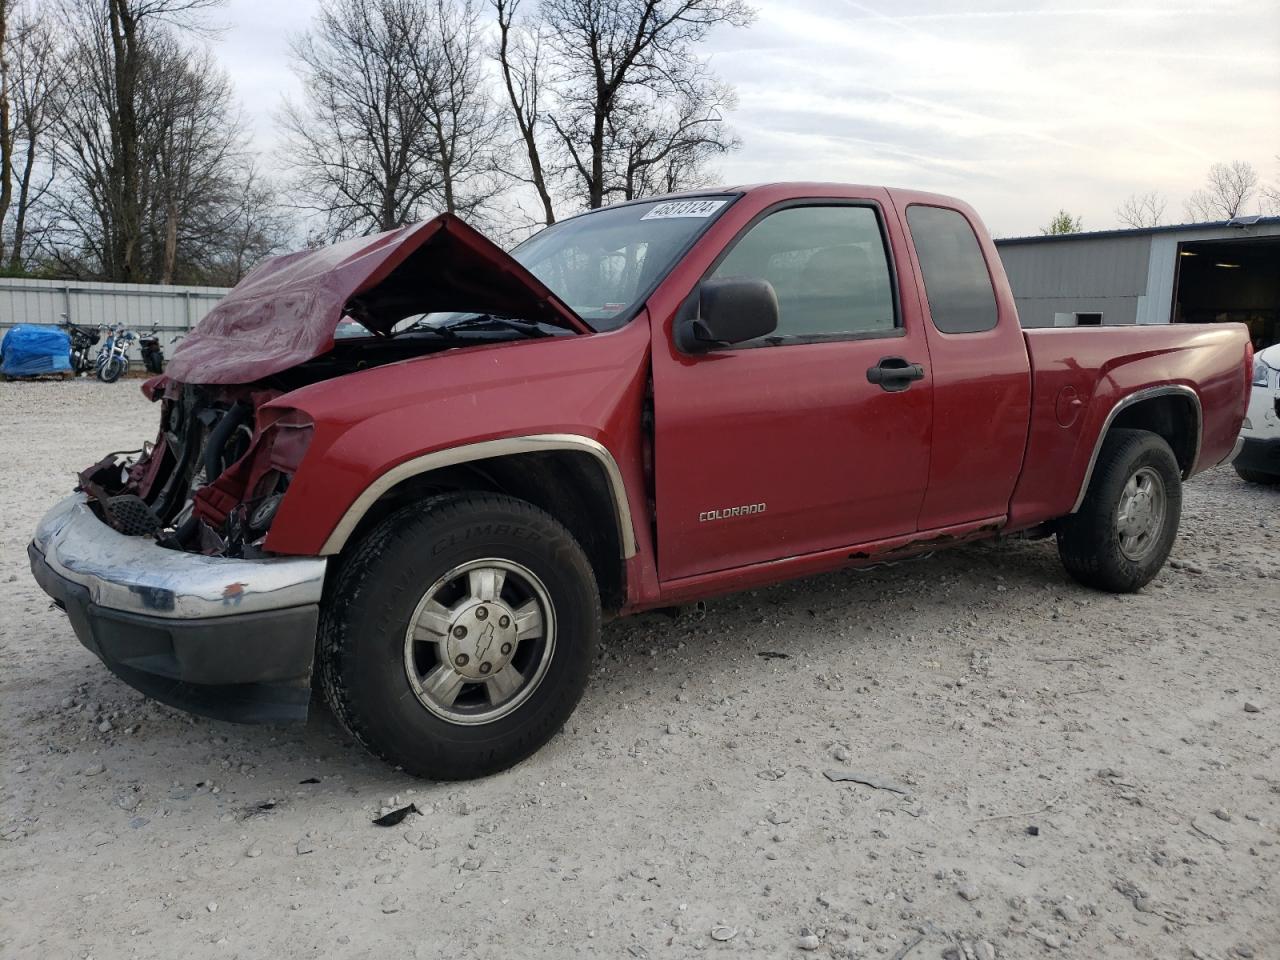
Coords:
614,58
462,124
1230,186
668,145
30,85
396,119
128,25
354,144
174,217
105,126
85,133
520,56
258,228
1142,210
6,119
192,136
1271,196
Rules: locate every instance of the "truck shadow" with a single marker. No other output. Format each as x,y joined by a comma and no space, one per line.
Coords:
643,660
644,666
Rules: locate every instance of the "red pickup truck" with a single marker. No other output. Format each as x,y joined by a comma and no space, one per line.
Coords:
639,407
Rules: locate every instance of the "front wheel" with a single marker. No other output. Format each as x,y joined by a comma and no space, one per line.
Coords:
1123,532
457,638
112,369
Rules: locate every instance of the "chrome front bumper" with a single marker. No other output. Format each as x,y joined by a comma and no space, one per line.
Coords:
136,575
229,639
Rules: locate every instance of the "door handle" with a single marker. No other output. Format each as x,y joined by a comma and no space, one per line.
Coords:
894,373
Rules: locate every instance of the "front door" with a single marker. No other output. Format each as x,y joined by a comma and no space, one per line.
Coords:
785,446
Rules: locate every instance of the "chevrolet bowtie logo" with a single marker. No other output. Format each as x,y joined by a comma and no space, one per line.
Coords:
485,641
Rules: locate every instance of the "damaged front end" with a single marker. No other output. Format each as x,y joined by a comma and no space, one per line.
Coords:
158,559
226,453
161,559
215,476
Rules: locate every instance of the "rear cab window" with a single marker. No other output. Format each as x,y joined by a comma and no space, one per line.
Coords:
957,282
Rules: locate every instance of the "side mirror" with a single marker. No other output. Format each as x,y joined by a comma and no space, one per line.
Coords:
731,310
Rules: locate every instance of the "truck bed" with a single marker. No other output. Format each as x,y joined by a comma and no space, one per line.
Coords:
1082,379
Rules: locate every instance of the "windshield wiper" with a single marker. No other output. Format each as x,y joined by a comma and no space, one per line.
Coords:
482,320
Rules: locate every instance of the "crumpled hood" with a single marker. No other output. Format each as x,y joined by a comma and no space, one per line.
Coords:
285,312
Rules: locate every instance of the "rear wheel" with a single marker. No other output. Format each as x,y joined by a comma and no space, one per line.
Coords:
1123,532
458,636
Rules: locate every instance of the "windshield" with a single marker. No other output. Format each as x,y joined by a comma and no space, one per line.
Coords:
603,264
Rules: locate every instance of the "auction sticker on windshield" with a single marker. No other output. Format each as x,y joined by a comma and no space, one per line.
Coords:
684,208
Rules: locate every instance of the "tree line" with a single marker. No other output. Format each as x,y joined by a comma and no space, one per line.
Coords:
124,155
1230,190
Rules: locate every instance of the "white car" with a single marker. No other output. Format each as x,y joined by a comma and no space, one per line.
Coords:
1259,458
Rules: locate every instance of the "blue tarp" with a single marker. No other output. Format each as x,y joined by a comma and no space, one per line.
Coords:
30,350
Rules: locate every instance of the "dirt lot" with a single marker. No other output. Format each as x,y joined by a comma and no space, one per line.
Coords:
1084,775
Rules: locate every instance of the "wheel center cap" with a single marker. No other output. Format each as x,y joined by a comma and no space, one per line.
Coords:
482,639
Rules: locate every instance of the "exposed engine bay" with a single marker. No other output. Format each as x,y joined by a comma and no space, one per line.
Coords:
182,490
214,477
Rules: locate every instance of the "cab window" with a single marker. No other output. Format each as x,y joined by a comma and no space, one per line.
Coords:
829,268
956,280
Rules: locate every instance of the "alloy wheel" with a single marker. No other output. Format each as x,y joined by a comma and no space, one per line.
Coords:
480,640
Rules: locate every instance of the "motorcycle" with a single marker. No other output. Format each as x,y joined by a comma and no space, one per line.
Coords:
113,358
83,340
152,354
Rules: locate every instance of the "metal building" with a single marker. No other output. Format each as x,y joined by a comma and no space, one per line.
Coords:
1189,273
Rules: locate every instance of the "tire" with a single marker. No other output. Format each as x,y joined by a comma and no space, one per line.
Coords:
112,370
1103,544
382,680
1257,476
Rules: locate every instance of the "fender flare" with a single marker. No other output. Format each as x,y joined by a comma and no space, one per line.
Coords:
1138,396
488,450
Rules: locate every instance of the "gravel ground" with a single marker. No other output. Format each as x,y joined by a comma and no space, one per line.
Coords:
1062,773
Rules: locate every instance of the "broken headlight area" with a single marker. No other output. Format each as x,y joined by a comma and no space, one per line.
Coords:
214,478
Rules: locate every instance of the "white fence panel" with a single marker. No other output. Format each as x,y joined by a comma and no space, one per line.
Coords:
171,309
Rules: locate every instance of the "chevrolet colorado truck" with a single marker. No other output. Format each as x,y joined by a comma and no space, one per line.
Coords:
640,407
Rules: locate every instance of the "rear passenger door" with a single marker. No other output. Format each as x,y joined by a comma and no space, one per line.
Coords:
785,446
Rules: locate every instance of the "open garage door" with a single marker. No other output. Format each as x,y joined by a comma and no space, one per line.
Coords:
1220,281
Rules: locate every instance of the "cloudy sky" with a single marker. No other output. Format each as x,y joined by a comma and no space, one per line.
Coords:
1020,107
